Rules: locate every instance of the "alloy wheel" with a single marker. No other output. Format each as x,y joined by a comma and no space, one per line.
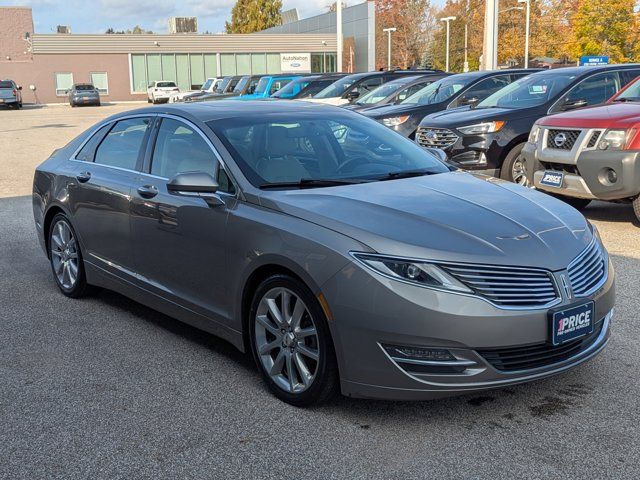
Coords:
64,254
286,340
518,172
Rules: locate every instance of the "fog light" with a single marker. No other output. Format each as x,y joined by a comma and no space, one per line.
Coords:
612,176
419,353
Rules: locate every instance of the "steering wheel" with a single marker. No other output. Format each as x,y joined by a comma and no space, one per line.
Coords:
349,164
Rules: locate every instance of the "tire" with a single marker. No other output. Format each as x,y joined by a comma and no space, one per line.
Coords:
148,100
287,348
63,247
513,167
636,207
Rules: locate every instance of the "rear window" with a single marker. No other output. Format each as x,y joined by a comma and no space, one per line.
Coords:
85,87
6,84
166,84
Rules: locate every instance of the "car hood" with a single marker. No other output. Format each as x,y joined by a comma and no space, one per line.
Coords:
384,111
613,115
453,217
467,116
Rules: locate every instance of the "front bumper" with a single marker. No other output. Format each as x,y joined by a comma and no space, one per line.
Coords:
370,311
585,172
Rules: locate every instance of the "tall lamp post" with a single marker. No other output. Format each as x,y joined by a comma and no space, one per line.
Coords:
526,35
339,35
389,31
447,20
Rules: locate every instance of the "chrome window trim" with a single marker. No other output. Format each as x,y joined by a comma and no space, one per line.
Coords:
354,255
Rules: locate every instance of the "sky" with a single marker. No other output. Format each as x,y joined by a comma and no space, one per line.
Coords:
95,16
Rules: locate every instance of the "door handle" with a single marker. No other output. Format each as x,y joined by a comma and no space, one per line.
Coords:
147,191
84,177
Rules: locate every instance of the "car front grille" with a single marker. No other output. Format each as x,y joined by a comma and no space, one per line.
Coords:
588,270
539,355
562,139
435,137
513,287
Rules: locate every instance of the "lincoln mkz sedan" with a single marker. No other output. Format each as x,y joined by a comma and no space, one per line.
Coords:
340,254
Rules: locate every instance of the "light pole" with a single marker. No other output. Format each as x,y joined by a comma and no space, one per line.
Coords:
526,35
465,68
339,35
389,31
447,20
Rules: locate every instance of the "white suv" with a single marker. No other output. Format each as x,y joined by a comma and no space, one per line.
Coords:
160,91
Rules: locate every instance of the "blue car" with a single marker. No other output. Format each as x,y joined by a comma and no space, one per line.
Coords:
267,86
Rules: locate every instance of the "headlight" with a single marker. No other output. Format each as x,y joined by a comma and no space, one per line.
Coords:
535,132
395,121
415,272
480,128
613,140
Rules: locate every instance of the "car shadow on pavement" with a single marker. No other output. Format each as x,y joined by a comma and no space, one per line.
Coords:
611,212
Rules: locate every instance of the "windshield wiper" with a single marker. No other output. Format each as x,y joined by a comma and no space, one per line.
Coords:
626,99
407,174
312,183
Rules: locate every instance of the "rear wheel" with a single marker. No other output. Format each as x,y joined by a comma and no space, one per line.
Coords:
291,342
513,168
66,258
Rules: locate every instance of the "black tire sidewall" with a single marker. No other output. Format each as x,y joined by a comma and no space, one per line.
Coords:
325,381
509,160
80,287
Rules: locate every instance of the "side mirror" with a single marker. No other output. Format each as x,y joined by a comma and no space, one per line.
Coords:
195,184
471,101
573,104
352,95
439,154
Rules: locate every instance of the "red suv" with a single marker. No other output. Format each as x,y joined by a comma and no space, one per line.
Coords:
590,153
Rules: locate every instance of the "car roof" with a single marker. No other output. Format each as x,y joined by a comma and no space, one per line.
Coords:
581,71
221,109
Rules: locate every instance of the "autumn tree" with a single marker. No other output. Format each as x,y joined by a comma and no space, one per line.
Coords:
605,27
334,6
414,21
249,16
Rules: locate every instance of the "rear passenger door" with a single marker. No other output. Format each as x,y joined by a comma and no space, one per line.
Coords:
107,167
179,242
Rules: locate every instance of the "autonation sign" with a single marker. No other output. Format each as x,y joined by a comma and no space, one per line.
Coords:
295,62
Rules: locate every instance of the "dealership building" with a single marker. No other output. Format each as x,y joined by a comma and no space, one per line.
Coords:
121,66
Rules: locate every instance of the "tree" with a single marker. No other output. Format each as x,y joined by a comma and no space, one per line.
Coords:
249,16
414,21
605,27
137,30
333,7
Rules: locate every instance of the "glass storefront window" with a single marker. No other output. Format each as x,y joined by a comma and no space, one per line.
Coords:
100,81
227,64
64,82
243,64
273,63
197,71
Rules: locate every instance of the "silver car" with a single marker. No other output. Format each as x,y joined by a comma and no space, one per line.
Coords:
340,254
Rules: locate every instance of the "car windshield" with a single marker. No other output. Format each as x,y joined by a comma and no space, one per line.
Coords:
314,148
314,87
241,84
84,87
166,85
207,84
262,85
380,93
337,88
631,94
530,91
222,86
291,87
440,91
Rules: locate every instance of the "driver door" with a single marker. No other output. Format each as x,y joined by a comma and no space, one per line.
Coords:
179,242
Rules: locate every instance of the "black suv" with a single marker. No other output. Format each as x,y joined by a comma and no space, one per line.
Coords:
450,92
489,136
309,86
234,87
351,87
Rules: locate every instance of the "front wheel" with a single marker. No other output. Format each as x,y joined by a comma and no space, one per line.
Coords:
513,168
291,342
66,258
636,207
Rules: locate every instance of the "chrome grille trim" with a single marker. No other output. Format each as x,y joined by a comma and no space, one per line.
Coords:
570,135
588,271
442,137
510,287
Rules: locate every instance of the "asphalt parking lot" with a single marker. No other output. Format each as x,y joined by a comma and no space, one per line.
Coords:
106,388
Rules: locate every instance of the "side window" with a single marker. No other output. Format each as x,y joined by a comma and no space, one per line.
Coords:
368,85
595,89
483,89
179,149
407,92
88,151
277,85
628,75
121,147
